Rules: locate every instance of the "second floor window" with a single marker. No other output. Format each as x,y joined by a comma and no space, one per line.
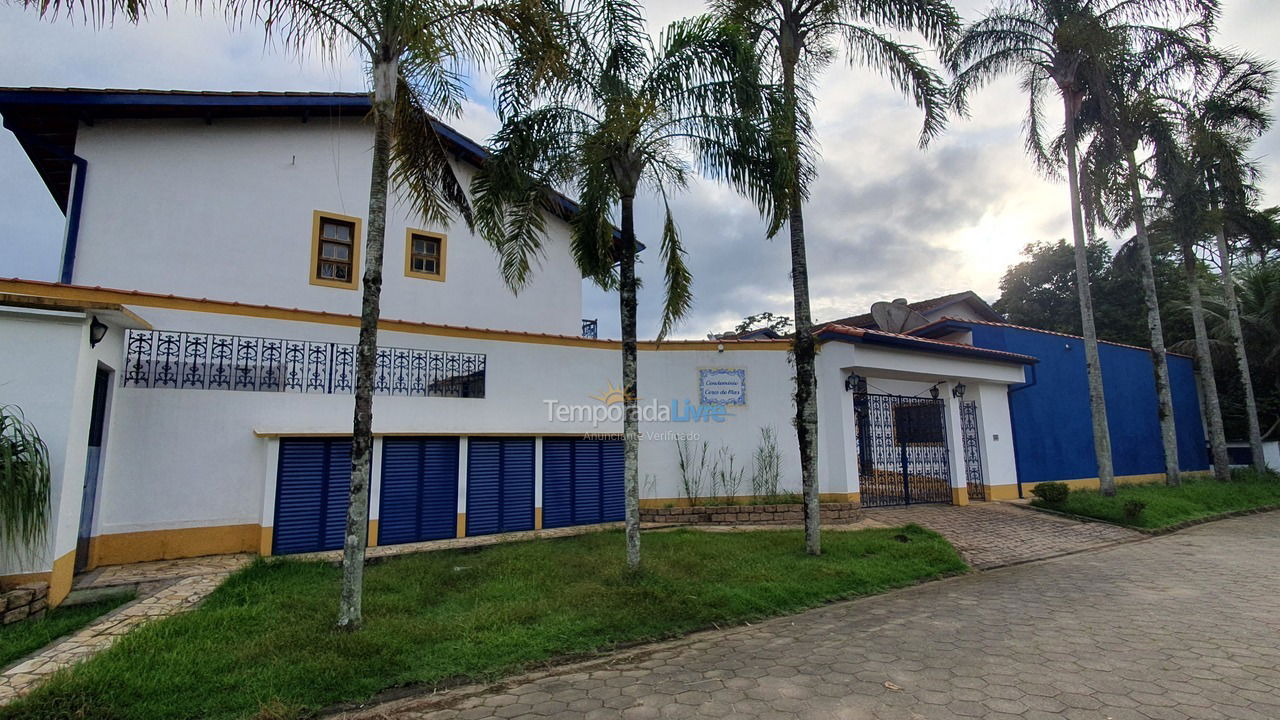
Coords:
335,250
424,255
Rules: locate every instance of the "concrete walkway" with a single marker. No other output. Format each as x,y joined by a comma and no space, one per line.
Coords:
1181,626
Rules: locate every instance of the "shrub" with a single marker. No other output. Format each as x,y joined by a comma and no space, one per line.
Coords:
24,482
1051,493
1133,510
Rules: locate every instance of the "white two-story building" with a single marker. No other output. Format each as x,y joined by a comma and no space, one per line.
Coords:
191,370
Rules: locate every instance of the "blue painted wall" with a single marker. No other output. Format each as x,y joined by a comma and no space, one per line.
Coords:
1053,432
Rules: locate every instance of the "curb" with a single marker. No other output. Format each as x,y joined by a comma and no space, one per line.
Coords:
1153,532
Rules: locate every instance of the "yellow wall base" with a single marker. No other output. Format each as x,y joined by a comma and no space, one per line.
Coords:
1001,492
537,518
959,496
59,578
124,548
373,533
462,525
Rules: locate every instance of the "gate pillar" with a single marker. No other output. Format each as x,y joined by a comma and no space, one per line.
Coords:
955,447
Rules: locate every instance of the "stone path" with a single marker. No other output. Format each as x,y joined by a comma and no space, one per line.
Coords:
992,535
157,598
1177,627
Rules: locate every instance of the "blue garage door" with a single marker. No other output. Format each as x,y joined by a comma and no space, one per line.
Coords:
419,496
581,481
499,485
312,483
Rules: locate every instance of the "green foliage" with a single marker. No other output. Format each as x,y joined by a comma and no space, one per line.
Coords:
632,117
265,639
1162,505
24,482
780,324
766,467
22,638
1052,494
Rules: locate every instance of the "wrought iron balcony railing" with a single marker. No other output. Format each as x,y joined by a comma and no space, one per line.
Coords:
589,328
203,361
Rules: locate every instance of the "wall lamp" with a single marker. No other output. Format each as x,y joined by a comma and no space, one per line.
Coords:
958,391
97,331
933,392
853,382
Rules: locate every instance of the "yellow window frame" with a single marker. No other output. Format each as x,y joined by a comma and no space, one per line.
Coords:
408,254
356,240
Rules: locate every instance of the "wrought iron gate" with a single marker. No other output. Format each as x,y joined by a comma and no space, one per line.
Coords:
902,450
972,449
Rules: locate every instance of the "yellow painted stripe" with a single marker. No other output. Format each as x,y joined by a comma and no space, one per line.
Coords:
176,302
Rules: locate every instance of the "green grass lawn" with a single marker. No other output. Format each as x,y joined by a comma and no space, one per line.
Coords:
25,637
265,639
1166,506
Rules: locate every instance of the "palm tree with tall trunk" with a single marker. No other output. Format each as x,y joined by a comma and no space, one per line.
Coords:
626,122
795,40
1122,117
417,52
1221,124
1069,46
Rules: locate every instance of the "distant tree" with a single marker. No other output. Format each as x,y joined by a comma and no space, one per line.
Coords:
780,324
1040,291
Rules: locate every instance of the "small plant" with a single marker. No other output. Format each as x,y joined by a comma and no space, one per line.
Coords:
693,460
24,481
1051,493
1133,510
766,470
726,477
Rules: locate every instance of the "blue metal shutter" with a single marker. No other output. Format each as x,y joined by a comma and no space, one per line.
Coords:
499,485
586,482
557,482
312,482
613,504
581,481
419,492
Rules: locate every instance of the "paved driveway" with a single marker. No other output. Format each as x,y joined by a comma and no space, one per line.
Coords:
1181,626
996,534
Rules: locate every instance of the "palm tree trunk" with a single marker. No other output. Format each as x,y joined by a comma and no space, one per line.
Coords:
1204,361
350,614
1237,342
803,347
1159,355
631,418
1093,363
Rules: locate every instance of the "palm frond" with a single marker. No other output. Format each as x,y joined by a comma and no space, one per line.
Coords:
24,482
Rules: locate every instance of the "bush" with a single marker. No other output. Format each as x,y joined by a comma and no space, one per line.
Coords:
1051,493
1133,510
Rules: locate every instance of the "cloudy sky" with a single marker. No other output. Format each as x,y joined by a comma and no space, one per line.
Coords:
886,219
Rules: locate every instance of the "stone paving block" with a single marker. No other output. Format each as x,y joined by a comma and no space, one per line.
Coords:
1119,634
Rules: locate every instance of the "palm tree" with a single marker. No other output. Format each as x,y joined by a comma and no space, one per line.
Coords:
1221,124
1122,116
416,50
624,122
795,40
1068,45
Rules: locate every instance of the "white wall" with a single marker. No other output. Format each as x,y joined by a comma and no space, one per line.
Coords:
224,211
40,367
